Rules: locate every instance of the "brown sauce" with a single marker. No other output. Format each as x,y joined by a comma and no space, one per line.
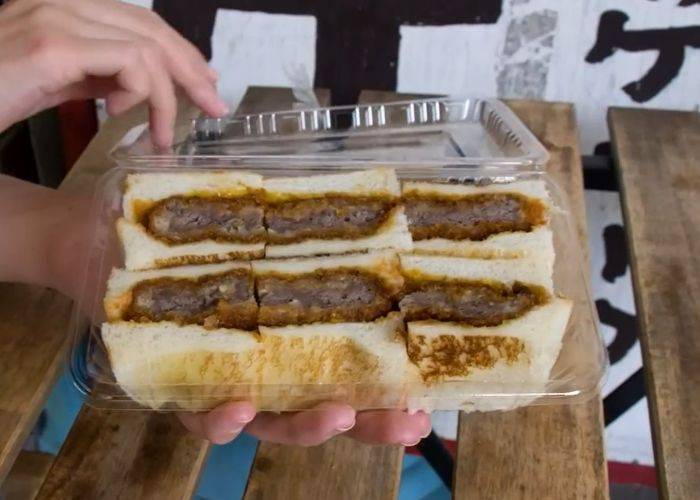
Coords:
474,217
216,301
473,303
332,296
327,217
188,219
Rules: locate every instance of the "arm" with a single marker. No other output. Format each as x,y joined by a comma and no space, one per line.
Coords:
42,235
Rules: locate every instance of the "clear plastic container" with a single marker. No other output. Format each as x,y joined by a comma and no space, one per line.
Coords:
582,361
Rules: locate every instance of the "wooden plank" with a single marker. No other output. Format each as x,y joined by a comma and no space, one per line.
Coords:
120,453
338,469
26,475
538,452
657,163
265,99
32,349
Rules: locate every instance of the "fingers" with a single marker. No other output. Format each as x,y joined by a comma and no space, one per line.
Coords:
390,427
306,428
220,425
184,62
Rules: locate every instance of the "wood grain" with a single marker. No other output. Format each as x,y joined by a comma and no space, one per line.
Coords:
26,475
657,155
538,452
33,341
341,468
122,454
338,469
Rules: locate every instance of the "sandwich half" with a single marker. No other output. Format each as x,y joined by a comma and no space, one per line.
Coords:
499,221
336,213
179,218
209,296
482,326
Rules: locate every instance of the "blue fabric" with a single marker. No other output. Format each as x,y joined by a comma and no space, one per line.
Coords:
419,481
226,473
59,413
227,468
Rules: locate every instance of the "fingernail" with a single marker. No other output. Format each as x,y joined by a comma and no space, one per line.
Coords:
345,427
235,430
412,443
427,433
246,418
223,107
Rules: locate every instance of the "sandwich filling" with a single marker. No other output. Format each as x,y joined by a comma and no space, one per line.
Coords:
473,303
445,356
330,296
215,301
180,219
338,216
474,217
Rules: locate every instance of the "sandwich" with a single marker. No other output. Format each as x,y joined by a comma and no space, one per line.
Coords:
189,336
333,214
476,326
501,221
173,335
184,218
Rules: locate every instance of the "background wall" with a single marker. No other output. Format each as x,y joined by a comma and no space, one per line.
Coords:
595,53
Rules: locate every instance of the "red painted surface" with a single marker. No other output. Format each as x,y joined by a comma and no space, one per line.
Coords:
78,125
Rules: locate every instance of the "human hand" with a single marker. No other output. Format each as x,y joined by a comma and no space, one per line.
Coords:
308,428
53,51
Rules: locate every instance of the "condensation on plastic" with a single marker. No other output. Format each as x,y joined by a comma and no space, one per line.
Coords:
582,361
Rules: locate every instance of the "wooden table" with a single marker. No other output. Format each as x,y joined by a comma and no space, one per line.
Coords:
546,452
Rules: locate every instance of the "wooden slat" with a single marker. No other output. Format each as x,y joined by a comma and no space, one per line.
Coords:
264,99
121,453
538,452
658,154
338,469
26,475
33,339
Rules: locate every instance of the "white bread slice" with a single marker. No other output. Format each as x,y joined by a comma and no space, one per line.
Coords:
384,264
144,189
537,243
287,368
487,378
143,251
381,182
529,271
162,362
530,188
337,353
392,234
121,282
